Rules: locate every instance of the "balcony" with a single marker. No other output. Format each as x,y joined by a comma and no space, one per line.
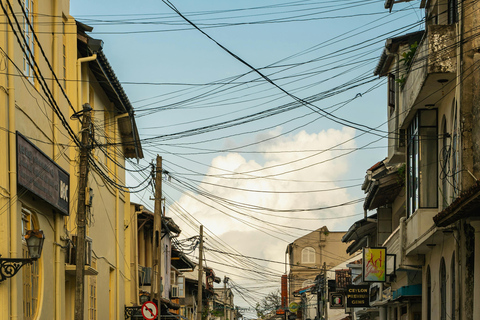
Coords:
432,71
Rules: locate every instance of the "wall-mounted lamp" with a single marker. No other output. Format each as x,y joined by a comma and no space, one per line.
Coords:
10,266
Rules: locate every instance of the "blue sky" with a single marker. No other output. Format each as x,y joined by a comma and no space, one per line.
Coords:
322,50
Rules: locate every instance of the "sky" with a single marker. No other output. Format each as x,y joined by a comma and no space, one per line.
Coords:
266,114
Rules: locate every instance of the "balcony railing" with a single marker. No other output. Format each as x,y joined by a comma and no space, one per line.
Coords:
432,68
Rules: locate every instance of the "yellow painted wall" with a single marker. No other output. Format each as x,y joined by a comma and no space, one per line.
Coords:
34,118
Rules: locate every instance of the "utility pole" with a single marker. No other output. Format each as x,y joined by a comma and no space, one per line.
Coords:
81,214
157,233
325,287
200,274
225,279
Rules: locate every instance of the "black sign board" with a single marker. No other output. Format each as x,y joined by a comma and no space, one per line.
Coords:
337,300
358,296
41,175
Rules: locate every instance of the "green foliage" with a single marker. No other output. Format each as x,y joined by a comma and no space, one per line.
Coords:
401,81
269,304
401,174
408,55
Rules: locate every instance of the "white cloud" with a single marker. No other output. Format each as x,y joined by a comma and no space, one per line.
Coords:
286,172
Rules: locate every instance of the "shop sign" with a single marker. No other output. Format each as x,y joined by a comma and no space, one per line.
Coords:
337,300
39,174
358,296
374,264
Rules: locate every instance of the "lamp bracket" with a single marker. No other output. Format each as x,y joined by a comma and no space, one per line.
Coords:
10,266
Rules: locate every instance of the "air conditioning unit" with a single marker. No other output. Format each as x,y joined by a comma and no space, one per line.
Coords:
72,252
174,291
147,276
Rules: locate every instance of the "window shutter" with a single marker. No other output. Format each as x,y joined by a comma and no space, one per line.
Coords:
391,90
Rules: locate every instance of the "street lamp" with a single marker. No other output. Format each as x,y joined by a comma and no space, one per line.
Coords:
10,266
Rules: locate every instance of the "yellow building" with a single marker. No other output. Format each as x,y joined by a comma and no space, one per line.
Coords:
49,68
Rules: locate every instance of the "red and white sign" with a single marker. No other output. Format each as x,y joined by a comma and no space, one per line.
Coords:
149,310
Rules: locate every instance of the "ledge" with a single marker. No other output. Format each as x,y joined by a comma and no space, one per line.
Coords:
71,269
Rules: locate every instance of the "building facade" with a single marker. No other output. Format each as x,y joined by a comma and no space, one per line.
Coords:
50,69
310,254
424,195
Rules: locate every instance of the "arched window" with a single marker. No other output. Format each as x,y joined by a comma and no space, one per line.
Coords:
455,158
307,283
452,11
30,271
452,270
429,294
445,165
308,255
443,290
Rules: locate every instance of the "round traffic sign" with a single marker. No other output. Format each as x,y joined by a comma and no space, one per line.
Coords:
149,310
293,307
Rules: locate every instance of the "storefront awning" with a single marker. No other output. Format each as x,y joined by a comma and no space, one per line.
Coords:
407,292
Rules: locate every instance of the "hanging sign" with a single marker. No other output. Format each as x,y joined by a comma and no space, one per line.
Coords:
358,296
374,264
40,175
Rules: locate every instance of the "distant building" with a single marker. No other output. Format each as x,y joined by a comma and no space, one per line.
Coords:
308,254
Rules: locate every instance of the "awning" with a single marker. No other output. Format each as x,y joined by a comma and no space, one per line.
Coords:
360,228
358,233
180,261
466,205
382,185
408,292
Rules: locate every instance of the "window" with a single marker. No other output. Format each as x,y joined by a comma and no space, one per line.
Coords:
455,157
445,165
308,255
29,50
181,286
422,161
92,294
443,290
452,272
429,295
452,11
64,48
30,271
391,92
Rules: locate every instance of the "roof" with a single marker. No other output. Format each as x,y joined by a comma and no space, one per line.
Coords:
181,261
391,47
358,233
382,184
464,206
106,78
303,290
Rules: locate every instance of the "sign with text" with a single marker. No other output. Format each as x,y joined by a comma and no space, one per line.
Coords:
358,296
374,266
39,174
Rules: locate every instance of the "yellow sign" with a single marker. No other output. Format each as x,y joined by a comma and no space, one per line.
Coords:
374,267
293,307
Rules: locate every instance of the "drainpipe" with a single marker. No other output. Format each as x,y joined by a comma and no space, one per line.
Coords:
15,282
134,230
79,77
401,235
57,217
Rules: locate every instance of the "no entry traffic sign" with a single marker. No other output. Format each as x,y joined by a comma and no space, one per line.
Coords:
149,310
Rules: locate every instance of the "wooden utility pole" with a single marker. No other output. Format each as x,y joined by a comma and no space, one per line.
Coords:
225,279
325,287
157,233
200,274
81,214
